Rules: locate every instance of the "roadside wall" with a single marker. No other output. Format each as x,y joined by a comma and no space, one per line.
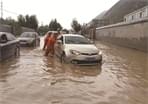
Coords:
25,29
131,35
5,28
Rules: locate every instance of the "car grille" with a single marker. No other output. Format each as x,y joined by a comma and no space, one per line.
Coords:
89,54
23,41
84,62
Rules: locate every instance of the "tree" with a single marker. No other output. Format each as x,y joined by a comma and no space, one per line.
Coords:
9,21
76,26
84,29
28,21
43,29
21,20
54,25
65,31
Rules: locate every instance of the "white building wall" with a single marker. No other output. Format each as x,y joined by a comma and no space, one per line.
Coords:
137,15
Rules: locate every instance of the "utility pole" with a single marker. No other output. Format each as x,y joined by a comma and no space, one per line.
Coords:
1,9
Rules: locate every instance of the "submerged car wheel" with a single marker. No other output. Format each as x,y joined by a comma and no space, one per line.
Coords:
38,42
17,51
34,44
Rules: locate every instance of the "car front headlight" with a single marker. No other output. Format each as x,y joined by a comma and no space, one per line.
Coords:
100,53
74,52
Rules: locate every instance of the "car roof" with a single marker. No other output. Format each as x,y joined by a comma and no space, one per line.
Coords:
5,33
52,31
78,35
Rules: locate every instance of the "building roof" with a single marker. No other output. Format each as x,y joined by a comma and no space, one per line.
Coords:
101,15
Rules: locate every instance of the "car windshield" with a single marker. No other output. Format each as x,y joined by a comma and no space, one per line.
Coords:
28,35
76,40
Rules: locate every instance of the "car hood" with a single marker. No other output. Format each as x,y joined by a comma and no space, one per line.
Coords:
82,48
25,38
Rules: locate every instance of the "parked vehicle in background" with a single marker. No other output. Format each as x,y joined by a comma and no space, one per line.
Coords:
9,46
29,39
77,49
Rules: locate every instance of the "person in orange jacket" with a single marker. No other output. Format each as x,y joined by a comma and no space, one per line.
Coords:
46,39
50,44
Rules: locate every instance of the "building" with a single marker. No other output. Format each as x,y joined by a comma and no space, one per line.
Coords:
137,15
115,14
123,7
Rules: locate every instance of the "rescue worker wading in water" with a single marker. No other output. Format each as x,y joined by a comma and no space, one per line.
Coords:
46,40
50,44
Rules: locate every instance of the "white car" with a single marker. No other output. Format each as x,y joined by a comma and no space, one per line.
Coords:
77,49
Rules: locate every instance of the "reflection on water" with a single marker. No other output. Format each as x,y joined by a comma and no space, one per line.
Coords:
35,79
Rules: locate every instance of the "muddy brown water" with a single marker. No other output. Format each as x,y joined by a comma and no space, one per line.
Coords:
35,79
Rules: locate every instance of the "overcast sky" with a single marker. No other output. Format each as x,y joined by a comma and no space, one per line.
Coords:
63,10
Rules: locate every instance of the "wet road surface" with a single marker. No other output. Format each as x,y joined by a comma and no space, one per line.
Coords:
35,79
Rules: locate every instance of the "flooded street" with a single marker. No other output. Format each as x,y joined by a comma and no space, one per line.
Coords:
35,79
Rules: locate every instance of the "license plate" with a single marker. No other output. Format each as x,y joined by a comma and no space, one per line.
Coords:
90,58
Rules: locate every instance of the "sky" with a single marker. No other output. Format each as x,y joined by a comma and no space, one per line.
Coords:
63,10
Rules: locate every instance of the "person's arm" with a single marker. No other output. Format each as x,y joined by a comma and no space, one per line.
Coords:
45,43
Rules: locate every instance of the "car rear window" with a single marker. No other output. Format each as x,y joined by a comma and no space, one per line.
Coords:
10,37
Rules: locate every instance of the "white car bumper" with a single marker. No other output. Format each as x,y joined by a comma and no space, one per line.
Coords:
85,59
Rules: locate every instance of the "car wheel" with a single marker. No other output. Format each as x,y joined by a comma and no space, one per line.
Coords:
63,58
38,42
17,51
34,43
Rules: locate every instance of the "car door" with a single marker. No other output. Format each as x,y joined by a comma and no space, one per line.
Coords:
10,47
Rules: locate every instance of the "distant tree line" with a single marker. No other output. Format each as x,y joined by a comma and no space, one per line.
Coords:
79,28
31,21
28,21
22,21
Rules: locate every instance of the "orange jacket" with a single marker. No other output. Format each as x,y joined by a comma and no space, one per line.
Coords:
51,42
45,42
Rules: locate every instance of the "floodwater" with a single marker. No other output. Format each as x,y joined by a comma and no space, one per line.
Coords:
35,79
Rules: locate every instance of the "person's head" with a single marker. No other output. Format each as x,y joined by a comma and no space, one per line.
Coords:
49,34
56,34
4,37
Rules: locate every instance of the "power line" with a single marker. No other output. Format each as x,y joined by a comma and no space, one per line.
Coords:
10,12
5,10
